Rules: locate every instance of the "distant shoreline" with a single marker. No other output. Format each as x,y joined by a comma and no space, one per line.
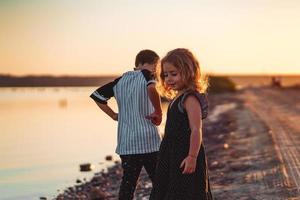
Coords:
77,81
53,81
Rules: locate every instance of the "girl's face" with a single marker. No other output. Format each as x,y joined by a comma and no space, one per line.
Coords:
172,77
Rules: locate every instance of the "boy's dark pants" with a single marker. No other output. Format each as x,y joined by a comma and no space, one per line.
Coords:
132,166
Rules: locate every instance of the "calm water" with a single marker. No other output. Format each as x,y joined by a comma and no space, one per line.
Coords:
45,134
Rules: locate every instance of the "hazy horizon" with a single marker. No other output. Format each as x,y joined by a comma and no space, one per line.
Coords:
111,75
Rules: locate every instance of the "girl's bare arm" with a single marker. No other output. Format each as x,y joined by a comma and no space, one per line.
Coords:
193,109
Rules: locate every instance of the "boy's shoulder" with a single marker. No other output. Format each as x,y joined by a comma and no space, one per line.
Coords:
144,72
131,73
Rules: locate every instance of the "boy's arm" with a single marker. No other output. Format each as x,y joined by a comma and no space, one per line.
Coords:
105,108
156,116
102,95
154,98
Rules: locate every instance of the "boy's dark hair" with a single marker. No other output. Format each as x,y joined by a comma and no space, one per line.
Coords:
146,56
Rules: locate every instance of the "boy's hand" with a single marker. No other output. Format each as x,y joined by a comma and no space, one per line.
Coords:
189,164
155,118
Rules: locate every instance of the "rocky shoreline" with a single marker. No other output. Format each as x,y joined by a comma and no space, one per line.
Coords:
241,159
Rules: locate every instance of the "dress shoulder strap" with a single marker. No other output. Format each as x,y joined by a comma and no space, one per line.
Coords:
202,98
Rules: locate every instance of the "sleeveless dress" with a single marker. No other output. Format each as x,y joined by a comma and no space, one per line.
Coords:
170,183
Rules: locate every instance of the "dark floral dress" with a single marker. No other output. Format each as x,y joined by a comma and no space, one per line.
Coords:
170,183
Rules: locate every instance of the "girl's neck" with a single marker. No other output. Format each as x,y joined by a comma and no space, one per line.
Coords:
180,92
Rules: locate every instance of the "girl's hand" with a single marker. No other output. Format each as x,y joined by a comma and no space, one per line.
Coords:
189,164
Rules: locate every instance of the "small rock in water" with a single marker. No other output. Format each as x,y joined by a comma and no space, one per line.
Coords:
85,167
63,103
43,198
78,181
109,158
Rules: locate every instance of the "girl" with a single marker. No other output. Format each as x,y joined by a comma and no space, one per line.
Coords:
181,172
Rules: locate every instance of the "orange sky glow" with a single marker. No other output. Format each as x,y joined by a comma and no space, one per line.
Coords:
77,37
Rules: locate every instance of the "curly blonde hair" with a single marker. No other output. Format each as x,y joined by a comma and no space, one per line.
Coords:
189,69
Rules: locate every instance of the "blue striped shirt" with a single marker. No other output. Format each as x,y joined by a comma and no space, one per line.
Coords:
136,134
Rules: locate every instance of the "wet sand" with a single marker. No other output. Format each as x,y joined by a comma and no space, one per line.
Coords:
242,152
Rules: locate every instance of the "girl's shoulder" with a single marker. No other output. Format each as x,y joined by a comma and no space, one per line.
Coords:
201,97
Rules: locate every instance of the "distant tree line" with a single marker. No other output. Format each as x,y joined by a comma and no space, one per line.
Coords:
52,81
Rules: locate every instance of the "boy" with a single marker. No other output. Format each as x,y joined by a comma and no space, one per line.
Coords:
139,111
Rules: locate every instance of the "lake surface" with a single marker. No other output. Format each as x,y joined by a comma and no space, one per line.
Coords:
45,133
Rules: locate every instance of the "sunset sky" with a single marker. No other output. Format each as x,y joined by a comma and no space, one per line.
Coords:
102,37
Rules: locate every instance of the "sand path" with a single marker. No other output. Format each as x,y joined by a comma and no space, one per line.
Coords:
280,111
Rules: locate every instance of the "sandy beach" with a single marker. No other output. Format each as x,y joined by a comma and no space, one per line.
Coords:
250,166
252,144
